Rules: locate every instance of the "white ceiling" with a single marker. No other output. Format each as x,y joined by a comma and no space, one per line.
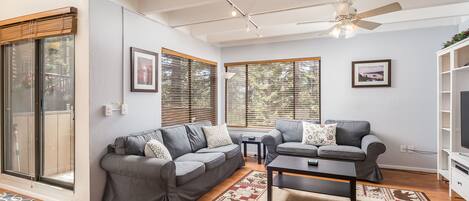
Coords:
220,28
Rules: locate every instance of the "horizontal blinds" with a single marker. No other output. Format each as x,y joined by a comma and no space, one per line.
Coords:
262,92
175,90
236,97
270,93
46,24
182,55
189,90
203,92
307,90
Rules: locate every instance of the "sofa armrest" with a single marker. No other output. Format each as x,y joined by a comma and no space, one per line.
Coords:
273,138
372,146
139,167
237,138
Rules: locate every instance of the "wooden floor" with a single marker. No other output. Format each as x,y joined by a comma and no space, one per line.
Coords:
417,181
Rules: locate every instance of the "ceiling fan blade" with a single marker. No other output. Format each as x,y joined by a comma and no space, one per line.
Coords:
312,22
326,32
366,24
380,11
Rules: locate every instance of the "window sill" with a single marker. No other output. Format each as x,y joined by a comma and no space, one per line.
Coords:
260,130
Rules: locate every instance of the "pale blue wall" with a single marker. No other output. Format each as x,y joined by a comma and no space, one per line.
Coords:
106,76
402,114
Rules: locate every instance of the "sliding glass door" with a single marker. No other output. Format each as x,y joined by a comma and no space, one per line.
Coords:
38,110
19,109
57,106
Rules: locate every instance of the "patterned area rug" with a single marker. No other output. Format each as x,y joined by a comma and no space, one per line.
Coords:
13,197
252,187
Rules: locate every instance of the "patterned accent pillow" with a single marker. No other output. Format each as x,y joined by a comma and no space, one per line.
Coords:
217,136
156,149
317,134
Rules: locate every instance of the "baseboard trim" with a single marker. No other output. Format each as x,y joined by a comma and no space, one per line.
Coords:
407,168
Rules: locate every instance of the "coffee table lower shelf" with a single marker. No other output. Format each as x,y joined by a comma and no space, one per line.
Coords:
336,188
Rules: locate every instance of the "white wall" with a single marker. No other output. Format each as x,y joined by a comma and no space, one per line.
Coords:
402,114
106,76
464,25
15,8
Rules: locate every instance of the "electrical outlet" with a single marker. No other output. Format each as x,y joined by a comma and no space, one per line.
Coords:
124,109
107,110
403,148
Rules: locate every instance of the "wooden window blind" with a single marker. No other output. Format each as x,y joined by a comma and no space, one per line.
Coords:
235,90
189,89
39,25
261,92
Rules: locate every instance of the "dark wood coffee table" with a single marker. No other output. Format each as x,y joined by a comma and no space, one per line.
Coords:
332,169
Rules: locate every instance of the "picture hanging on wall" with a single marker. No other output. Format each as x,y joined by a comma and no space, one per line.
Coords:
143,70
374,73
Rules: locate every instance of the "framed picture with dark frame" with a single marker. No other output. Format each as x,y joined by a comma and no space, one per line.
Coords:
143,70
373,73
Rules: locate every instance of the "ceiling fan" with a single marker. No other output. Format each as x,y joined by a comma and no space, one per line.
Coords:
348,20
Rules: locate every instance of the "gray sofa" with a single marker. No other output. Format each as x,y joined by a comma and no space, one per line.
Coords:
354,143
195,169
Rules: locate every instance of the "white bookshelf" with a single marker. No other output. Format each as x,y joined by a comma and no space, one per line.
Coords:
453,77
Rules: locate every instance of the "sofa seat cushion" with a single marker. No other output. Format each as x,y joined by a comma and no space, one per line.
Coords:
188,170
297,149
342,152
210,160
230,151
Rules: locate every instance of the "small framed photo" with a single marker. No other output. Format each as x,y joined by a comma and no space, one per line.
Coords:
375,73
143,70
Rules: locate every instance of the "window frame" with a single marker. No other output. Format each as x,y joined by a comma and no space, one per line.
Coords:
39,132
191,59
247,63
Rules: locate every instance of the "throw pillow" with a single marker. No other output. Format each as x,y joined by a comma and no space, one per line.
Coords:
156,149
217,136
317,134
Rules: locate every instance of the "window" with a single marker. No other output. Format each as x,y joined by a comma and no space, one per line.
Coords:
38,110
261,92
189,89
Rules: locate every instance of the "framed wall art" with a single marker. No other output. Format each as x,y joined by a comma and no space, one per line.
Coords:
374,73
143,70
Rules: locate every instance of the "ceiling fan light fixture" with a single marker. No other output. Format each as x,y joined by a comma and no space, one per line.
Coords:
343,30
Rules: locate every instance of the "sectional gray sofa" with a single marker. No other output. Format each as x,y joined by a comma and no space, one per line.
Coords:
195,169
355,143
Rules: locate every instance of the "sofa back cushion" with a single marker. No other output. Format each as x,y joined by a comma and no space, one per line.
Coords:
134,144
176,140
350,132
292,130
196,134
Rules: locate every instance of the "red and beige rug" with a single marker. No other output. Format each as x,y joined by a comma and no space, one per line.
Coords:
253,186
